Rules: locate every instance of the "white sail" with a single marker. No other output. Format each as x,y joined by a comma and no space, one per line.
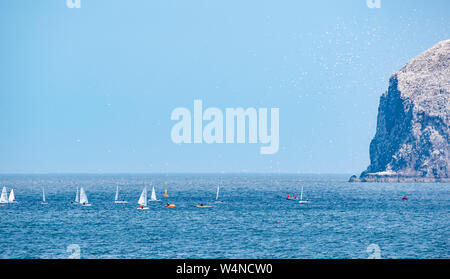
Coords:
143,198
301,198
4,196
83,197
43,195
116,198
153,197
77,197
217,194
12,198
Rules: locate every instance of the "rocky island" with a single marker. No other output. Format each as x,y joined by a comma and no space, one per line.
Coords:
412,140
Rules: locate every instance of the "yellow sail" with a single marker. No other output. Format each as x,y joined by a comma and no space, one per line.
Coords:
165,193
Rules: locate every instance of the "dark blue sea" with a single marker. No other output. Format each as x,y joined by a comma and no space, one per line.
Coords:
343,220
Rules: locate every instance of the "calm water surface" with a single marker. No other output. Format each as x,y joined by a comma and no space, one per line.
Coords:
256,221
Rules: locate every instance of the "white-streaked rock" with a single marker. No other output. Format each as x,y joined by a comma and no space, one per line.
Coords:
412,141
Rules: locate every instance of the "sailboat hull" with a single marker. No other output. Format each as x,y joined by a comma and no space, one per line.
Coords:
120,202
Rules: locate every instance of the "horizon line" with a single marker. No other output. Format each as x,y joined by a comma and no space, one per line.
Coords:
175,173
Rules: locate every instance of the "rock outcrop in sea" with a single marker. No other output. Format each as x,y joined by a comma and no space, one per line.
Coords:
412,141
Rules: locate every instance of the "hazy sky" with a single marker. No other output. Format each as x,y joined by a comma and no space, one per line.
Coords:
92,89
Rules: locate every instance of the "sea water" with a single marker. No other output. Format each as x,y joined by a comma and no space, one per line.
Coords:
255,220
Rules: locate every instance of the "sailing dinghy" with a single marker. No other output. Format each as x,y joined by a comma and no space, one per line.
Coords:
217,195
77,198
12,197
153,196
116,198
43,197
301,198
83,198
143,200
4,196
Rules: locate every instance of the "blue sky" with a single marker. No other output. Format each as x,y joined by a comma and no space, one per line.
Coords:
92,89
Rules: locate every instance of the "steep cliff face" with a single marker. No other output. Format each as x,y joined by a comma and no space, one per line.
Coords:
412,141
